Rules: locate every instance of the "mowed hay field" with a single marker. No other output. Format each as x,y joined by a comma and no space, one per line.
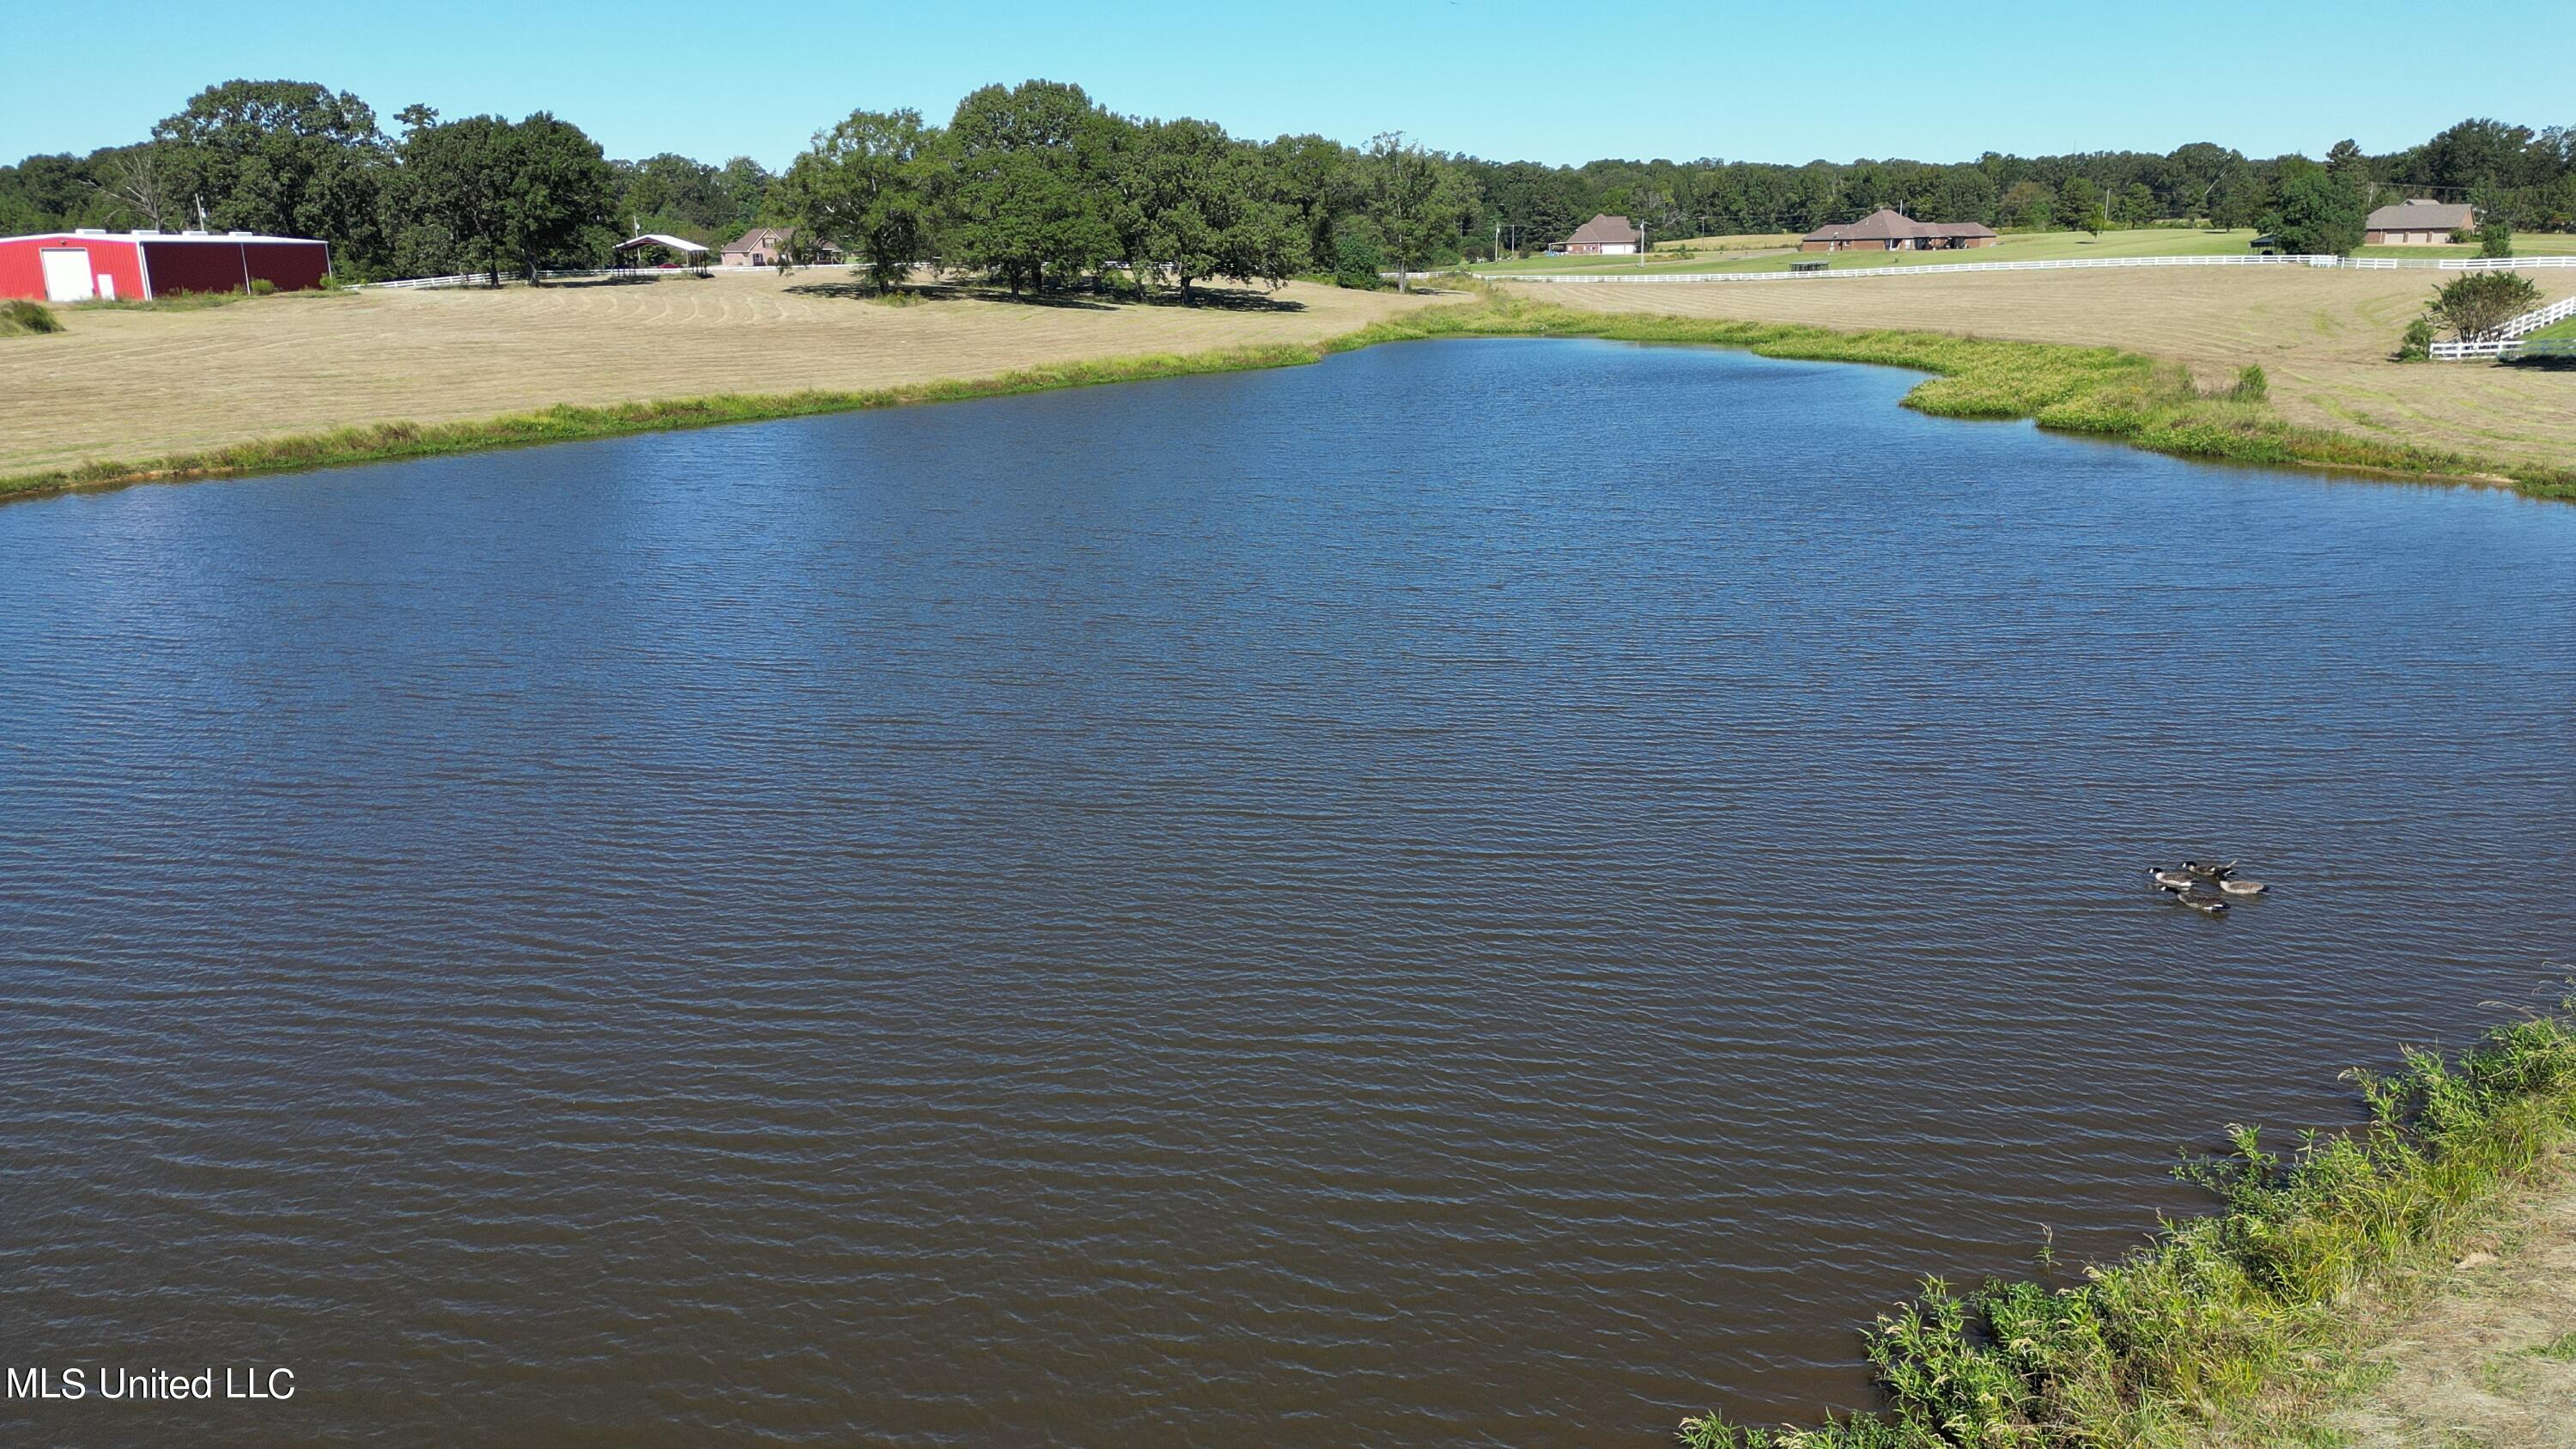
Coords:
136,385
2322,338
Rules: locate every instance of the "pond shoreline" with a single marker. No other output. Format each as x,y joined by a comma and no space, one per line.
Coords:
2325,1272
2092,391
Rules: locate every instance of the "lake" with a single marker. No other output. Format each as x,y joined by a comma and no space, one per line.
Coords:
1485,892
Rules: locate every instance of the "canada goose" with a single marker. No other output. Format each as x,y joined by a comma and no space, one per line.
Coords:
2172,880
2235,887
2206,905
2205,871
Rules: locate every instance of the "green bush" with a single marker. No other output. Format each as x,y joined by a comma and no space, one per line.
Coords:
2251,384
2417,344
2495,239
19,316
2480,302
1357,258
262,287
2153,1348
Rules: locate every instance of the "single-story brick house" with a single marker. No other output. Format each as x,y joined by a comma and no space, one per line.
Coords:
2416,224
759,247
1603,236
1884,230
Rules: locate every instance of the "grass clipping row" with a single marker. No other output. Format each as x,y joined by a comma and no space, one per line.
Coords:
2100,391
2225,1313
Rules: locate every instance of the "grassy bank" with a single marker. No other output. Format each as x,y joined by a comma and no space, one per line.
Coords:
2228,1319
386,442
2099,391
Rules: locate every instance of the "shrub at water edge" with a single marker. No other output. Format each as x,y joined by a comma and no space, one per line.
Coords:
2181,1333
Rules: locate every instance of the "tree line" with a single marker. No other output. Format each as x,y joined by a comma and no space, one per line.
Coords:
1038,187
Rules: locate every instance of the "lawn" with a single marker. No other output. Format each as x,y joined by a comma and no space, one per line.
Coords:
2525,244
2016,247
2555,331
2324,338
304,363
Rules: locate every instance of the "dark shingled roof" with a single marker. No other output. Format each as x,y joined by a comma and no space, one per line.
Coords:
1881,225
1885,224
2421,216
1604,228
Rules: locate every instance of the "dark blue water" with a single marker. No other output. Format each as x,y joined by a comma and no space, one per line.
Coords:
1482,892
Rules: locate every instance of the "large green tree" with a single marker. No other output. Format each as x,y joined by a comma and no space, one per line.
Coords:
2318,213
865,185
288,157
490,195
2079,205
1320,179
2238,200
1417,200
2028,204
1027,182
1204,207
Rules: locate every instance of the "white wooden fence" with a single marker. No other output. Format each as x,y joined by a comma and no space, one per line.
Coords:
2539,317
2506,340
2503,348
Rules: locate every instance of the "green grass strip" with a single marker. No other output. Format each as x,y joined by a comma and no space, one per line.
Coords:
2099,391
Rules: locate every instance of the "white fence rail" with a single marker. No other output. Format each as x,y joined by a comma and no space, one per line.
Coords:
2506,349
2251,259
2539,317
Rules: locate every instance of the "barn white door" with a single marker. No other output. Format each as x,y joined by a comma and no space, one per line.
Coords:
66,273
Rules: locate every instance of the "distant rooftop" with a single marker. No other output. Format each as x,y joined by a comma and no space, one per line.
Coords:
2422,215
1605,229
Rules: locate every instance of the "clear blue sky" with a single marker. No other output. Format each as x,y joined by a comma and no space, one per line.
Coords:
1778,80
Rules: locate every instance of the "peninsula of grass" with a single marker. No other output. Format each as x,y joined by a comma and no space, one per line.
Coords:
2231,1325
2099,391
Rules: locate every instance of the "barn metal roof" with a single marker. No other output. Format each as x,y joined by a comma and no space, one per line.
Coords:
662,239
79,234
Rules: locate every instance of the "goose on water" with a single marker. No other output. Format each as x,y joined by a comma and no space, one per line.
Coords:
2172,880
2235,887
2206,905
2205,871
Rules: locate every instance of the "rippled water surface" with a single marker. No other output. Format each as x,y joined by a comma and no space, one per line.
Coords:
1484,892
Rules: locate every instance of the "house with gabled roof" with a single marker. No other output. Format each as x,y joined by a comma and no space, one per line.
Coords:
2417,223
1888,230
1603,236
762,245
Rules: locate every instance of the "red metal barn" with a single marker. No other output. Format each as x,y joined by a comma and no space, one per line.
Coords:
77,266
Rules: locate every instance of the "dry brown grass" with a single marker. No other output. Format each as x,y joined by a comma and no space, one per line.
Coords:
2481,1355
2322,337
142,384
